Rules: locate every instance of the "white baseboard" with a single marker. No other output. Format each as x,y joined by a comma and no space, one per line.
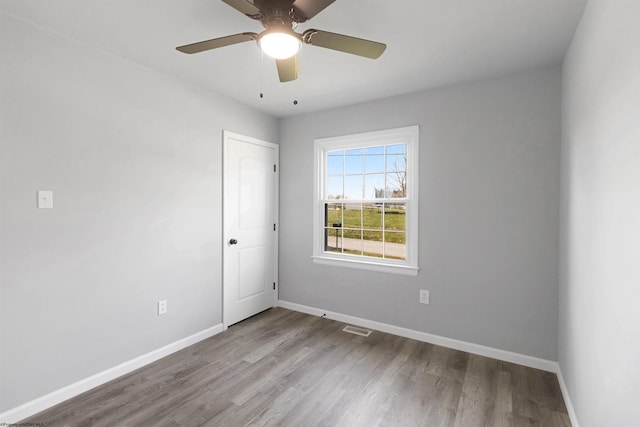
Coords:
507,356
567,399
40,404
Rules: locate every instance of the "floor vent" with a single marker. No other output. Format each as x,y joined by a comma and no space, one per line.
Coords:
357,331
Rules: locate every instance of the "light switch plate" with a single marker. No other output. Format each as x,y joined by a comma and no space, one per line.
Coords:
45,199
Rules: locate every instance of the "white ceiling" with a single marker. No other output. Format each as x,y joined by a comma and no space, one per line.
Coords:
430,43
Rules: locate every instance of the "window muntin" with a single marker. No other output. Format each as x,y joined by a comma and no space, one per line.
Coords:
368,222
367,198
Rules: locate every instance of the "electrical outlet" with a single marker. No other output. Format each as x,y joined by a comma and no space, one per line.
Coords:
45,199
424,296
162,307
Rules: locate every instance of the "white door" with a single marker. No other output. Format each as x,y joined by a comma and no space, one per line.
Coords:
250,199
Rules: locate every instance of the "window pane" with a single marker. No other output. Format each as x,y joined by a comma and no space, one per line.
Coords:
395,216
353,187
372,244
335,162
352,216
352,241
333,240
374,186
372,216
354,161
395,246
334,187
374,159
397,149
396,163
333,212
396,185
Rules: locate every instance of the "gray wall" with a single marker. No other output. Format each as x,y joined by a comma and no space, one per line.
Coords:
599,346
489,196
134,160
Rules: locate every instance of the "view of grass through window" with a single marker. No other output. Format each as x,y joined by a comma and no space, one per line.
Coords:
365,210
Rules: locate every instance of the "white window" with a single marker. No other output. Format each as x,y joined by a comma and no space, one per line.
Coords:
366,201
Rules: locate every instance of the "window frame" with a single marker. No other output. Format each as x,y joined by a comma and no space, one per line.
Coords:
405,135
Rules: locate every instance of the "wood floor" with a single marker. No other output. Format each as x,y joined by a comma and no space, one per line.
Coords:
286,368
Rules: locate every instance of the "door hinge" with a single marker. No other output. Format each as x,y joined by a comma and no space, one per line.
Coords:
274,168
274,286
274,227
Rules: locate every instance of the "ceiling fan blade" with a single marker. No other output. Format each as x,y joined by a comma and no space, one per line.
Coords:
288,69
244,6
307,9
216,43
347,44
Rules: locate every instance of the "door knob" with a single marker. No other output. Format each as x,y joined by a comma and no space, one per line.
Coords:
233,242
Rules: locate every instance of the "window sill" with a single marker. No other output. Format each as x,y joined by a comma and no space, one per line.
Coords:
382,267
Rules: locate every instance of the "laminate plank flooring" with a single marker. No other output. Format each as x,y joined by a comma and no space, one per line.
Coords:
284,368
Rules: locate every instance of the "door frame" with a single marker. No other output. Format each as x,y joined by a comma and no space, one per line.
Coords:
226,135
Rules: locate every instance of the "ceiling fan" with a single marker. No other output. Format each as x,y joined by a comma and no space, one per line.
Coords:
280,41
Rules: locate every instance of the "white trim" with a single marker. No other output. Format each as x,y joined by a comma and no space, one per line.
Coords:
44,402
358,264
409,135
495,353
226,136
276,237
573,417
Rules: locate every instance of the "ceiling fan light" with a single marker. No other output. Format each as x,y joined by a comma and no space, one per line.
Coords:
279,45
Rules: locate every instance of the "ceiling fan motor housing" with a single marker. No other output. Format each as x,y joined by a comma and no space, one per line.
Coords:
277,14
